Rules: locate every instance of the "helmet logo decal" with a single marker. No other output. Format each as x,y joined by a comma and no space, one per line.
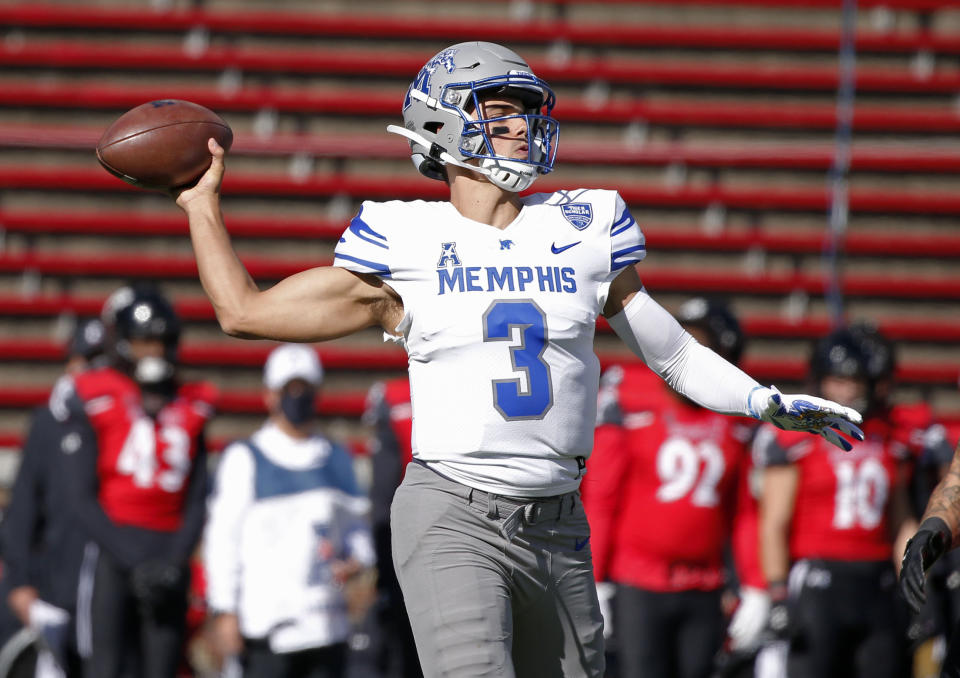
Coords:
422,81
579,214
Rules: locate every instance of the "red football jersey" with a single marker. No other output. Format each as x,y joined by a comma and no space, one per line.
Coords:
842,500
143,463
397,397
661,489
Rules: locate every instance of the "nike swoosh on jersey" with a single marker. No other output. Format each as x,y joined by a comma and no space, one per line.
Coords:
558,250
578,545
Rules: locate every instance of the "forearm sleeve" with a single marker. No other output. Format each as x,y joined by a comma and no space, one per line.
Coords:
686,365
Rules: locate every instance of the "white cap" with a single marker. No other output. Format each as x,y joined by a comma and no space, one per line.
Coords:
292,361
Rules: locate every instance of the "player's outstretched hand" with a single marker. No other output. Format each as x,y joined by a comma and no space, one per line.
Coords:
208,186
806,413
929,543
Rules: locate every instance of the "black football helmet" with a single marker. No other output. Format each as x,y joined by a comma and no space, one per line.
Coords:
841,354
879,351
145,314
881,356
718,321
88,340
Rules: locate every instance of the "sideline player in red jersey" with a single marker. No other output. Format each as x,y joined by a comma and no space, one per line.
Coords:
664,484
390,415
834,523
137,463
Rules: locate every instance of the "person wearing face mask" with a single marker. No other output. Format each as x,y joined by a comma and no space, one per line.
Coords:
134,458
287,528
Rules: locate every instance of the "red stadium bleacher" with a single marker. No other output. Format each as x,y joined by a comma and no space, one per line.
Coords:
687,114
383,103
220,354
135,265
13,440
449,29
198,309
332,403
800,199
388,357
659,236
403,63
804,157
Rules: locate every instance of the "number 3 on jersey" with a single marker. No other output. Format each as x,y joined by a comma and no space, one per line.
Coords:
529,396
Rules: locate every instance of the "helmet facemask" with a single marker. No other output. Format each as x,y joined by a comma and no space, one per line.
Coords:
542,131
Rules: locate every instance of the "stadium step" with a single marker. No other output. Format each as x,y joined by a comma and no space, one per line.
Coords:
796,156
383,103
404,63
753,199
451,29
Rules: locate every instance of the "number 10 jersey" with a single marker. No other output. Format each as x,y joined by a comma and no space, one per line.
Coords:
498,326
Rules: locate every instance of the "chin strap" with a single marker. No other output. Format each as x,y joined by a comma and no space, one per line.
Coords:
436,151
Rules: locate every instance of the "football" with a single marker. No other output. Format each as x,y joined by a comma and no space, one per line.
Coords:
162,144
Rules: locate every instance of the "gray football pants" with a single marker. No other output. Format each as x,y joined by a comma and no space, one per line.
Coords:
496,586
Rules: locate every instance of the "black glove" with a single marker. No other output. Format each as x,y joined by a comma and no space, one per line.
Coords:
778,622
930,542
155,582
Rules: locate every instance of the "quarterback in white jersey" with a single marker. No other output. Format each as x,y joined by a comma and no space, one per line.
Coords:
495,297
499,328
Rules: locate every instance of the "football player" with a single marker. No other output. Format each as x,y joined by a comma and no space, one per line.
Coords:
495,298
137,464
666,485
829,523
388,413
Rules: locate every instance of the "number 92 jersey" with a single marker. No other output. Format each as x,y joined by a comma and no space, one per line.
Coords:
498,328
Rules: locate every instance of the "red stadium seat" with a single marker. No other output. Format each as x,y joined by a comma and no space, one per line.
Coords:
136,265
659,236
14,440
198,309
386,358
801,199
382,103
804,157
449,29
332,403
402,64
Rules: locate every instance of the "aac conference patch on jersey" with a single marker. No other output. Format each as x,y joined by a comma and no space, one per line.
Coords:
579,214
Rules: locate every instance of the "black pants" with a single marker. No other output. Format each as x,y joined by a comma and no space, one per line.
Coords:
259,661
668,635
848,623
129,639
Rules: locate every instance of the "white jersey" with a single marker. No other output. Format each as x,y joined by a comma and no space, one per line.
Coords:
499,327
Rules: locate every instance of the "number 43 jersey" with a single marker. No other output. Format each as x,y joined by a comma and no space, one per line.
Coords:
143,463
498,328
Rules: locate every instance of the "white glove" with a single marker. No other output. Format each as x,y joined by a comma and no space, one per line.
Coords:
750,618
806,413
43,614
605,592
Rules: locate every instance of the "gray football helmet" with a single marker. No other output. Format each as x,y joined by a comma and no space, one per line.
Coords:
441,104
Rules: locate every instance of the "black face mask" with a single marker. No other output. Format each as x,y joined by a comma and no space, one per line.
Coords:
298,407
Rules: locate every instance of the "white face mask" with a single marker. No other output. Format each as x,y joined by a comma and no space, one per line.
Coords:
152,370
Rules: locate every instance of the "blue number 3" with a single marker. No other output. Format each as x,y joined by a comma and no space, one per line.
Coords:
512,400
